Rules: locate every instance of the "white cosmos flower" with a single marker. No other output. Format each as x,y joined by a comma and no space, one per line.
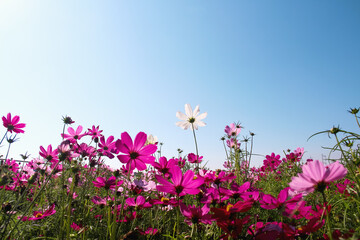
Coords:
151,139
191,118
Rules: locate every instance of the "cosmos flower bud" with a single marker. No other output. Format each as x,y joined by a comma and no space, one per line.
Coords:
67,120
354,110
334,130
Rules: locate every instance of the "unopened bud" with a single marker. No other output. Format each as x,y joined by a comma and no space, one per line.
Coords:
334,130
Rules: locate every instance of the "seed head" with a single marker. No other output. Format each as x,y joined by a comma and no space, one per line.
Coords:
67,120
354,110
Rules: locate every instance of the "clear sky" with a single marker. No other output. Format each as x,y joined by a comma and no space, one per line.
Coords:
284,69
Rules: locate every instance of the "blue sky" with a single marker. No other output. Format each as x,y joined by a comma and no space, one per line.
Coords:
284,69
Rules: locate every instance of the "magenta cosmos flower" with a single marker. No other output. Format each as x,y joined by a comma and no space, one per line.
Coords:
107,147
195,214
12,124
233,130
164,166
107,183
139,202
37,215
136,153
73,135
49,154
316,176
181,184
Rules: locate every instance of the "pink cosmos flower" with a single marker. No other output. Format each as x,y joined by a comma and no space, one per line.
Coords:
73,135
272,162
270,202
233,143
12,165
148,232
85,150
164,165
232,227
107,147
13,125
228,212
76,227
180,162
232,130
297,210
136,153
238,191
316,176
181,184
218,178
48,154
94,132
195,214
107,184
37,215
138,202
164,201
192,158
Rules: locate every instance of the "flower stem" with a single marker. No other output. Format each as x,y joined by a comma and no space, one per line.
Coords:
33,201
356,117
7,153
4,137
196,146
327,216
227,156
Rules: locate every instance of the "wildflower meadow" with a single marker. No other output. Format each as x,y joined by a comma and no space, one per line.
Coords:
69,191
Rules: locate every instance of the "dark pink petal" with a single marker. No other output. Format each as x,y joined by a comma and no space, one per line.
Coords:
168,189
140,200
122,147
15,120
148,149
191,191
109,140
146,159
79,130
126,140
161,180
140,165
139,141
71,131
176,175
130,202
163,161
283,195
20,125
188,177
123,158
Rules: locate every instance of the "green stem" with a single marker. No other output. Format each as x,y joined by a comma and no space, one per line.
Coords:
327,216
350,168
196,146
227,156
355,118
7,153
32,203
4,136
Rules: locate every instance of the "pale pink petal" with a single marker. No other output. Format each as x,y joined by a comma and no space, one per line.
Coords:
188,110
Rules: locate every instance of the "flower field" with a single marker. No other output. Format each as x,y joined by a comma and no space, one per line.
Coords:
69,192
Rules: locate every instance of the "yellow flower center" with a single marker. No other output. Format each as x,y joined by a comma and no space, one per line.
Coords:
228,207
191,120
39,215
